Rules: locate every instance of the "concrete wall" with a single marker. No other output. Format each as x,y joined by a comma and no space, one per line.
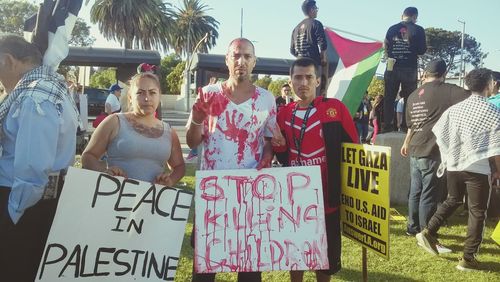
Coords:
399,169
168,102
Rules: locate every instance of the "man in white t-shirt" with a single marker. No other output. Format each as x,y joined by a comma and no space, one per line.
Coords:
113,101
234,120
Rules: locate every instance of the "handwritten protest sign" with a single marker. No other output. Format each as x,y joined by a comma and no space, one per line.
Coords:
365,198
114,229
249,220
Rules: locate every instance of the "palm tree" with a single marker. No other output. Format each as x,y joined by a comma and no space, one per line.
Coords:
139,24
192,25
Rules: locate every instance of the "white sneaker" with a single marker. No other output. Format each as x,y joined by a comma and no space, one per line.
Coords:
440,248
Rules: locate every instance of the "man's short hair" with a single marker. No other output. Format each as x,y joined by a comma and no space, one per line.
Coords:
496,76
285,85
305,62
240,39
307,6
20,49
477,80
410,12
436,68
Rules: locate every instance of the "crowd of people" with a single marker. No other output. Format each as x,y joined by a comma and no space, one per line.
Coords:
452,134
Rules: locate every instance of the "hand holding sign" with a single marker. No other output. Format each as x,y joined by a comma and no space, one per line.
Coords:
278,139
116,171
164,179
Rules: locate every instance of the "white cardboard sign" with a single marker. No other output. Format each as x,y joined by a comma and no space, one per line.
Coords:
114,229
249,220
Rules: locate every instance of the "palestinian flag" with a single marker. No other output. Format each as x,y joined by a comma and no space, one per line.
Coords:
50,29
352,65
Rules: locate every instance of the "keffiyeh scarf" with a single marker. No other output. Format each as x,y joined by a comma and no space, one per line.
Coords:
468,132
41,84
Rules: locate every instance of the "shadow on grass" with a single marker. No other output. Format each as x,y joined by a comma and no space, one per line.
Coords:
486,266
357,275
482,250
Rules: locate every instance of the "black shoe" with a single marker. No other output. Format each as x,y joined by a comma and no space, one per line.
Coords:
410,233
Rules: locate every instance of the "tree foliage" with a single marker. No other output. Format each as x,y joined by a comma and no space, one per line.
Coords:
167,66
446,45
264,81
275,86
80,36
13,14
103,78
174,78
135,24
376,87
192,23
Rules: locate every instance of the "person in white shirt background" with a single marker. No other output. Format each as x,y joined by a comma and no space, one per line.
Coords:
113,101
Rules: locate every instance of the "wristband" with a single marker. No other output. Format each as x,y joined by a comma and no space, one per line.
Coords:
195,123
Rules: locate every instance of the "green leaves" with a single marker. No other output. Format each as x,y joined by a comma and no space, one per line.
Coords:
447,45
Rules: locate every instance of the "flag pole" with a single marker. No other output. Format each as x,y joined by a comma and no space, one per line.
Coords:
352,33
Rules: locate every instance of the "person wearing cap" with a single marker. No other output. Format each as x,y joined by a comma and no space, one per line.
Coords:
112,104
404,42
469,142
309,39
424,107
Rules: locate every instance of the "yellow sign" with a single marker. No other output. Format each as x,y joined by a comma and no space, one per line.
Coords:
365,197
496,234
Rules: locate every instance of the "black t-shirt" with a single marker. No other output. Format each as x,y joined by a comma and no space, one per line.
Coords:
307,37
363,113
424,108
280,102
404,42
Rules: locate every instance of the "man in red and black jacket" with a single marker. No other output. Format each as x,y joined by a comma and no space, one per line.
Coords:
314,129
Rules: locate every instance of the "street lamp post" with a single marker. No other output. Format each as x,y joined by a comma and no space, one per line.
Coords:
462,63
187,72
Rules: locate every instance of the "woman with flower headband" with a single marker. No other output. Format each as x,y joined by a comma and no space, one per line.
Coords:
137,144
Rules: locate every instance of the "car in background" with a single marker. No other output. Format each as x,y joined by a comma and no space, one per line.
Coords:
96,98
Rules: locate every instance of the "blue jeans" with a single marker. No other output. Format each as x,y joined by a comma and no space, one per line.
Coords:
362,128
425,192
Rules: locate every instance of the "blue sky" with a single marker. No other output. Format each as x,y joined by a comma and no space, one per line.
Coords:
269,22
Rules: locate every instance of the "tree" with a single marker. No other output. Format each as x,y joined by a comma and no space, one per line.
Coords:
275,86
264,81
135,24
103,78
446,45
174,78
80,36
13,14
192,24
167,66
376,87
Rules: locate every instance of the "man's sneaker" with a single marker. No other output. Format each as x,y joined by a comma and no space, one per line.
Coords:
467,264
441,249
408,233
427,242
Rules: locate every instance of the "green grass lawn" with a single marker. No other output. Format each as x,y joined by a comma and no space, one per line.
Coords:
407,261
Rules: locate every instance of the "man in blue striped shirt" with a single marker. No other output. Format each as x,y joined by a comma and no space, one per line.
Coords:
38,121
